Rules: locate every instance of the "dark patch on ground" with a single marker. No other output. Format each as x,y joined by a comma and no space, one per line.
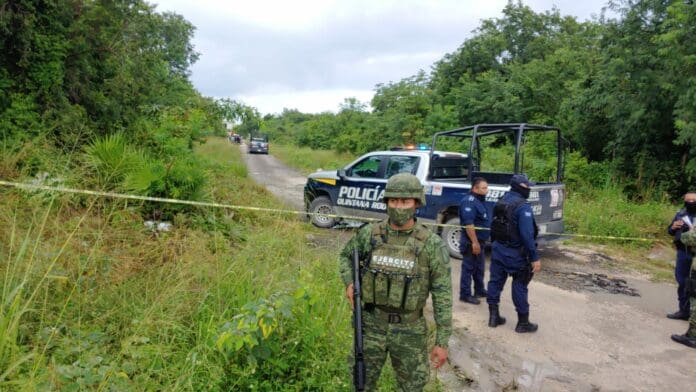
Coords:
593,283
587,272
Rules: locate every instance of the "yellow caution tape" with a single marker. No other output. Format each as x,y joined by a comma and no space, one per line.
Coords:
115,195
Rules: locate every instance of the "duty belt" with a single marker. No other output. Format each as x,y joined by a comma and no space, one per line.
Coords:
396,318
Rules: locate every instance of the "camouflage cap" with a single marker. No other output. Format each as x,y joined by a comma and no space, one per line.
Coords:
689,238
404,186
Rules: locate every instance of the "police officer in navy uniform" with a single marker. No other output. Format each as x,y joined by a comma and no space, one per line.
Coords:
474,218
514,253
685,256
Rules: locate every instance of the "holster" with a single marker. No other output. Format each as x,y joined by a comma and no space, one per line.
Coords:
525,275
465,249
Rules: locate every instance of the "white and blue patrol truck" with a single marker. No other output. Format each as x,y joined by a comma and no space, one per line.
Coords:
357,189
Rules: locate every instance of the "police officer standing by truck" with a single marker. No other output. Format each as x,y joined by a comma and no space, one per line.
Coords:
474,218
401,263
513,253
685,255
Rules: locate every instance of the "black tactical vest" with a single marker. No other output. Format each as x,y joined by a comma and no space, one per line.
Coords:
503,228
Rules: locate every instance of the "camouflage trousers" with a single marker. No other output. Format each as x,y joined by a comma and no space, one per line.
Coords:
691,332
407,346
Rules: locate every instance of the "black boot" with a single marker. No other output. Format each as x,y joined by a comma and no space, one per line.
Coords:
470,300
689,338
495,319
523,324
685,340
679,315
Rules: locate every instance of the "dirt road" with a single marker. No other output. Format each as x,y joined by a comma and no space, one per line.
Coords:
284,182
592,336
600,329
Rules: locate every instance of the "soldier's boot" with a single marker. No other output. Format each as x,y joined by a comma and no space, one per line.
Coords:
495,319
685,340
523,324
679,315
688,339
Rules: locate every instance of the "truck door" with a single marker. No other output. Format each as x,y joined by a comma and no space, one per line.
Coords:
360,191
360,194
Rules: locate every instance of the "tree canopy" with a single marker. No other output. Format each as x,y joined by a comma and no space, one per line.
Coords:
622,88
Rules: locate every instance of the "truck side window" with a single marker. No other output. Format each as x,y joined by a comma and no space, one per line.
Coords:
449,168
367,168
402,164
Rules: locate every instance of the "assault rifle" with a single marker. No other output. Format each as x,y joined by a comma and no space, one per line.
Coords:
359,366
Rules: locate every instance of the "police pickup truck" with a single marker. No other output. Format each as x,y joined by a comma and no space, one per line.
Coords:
357,189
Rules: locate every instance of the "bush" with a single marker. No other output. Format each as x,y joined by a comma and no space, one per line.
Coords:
579,173
182,179
111,159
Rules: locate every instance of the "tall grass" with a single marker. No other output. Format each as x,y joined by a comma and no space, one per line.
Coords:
93,300
606,211
307,160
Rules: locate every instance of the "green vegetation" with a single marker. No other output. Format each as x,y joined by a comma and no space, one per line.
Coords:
92,299
96,95
307,160
622,90
605,211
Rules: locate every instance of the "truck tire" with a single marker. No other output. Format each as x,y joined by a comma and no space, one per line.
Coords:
452,237
322,205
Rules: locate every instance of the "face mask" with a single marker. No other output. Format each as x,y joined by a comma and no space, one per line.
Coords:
400,216
690,207
521,190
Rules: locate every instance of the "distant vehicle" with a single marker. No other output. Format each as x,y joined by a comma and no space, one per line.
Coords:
358,188
257,144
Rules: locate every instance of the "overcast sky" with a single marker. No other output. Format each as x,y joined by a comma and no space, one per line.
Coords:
310,55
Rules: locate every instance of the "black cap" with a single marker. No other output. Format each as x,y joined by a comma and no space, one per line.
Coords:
521,179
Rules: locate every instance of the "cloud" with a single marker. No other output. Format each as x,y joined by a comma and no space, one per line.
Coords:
309,101
252,49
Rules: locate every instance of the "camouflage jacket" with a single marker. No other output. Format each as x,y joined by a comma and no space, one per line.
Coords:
440,281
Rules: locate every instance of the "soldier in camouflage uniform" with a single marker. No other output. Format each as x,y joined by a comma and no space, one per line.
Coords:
402,262
689,338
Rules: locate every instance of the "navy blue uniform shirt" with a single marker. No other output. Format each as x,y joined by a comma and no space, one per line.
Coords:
677,233
472,211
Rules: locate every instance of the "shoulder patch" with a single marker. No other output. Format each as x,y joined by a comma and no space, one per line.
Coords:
471,198
527,213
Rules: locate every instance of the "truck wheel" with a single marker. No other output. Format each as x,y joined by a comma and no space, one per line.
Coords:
322,205
452,237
